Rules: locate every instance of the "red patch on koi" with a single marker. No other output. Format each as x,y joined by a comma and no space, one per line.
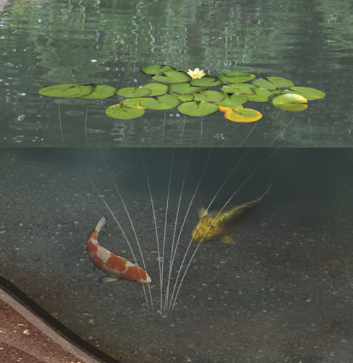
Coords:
91,247
116,263
97,261
134,273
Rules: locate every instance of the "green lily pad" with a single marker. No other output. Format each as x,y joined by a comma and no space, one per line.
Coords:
232,101
66,90
101,91
263,92
263,83
156,69
156,89
280,82
184,88
239,88
243,115
138,91
183,98
261,95
239,77
291,102
206,81
161,103
197,108
209,96
309,93
172,77
256,98
133,103
123,113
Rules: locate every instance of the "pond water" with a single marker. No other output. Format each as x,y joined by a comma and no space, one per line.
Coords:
107,42
283,291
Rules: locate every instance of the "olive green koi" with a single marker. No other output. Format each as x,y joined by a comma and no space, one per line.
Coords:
218,224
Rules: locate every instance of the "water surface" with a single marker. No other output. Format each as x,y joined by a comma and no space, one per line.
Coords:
44,43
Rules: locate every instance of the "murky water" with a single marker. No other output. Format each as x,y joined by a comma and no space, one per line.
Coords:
282,292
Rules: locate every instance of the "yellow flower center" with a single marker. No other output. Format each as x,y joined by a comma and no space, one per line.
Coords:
196,73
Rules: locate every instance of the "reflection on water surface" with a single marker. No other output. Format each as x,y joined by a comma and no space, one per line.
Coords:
58,42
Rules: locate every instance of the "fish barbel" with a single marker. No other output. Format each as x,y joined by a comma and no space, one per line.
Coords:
218,224
115,267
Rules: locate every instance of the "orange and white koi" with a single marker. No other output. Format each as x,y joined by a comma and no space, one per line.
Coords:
116,267
218,224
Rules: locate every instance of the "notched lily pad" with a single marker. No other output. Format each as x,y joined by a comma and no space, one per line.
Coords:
239,77
261,95
309,93
66,90
239,88
156,89
138,91
172,77
197,108
101,91
183,98
161,103
263,83
206,81
184,88
280,82
209,96
156,69
232,101
242,115
123,113
133,103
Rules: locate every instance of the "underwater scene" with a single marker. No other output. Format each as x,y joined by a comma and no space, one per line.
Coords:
235,254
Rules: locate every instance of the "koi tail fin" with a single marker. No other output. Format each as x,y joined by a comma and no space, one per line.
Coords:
101,224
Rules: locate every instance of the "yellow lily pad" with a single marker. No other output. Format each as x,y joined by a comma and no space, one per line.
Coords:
243,115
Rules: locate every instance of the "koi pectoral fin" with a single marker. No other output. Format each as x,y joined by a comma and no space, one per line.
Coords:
105,279
227,239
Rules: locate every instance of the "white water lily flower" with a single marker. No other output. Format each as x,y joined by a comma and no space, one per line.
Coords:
196,73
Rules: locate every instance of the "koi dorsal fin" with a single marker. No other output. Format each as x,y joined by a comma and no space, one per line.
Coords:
202,212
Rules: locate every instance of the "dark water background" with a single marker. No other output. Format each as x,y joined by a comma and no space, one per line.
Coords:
283,292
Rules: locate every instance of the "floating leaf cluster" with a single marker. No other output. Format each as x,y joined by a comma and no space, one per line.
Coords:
190,93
